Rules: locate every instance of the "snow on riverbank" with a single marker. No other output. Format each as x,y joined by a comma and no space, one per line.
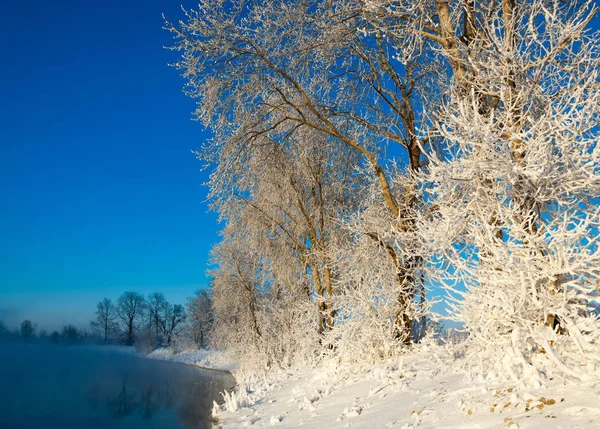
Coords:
203,358
419,391
210,359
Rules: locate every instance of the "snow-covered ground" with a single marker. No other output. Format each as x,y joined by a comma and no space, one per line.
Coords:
204,358
417,391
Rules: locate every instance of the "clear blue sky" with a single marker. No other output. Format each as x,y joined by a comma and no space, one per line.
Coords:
99,190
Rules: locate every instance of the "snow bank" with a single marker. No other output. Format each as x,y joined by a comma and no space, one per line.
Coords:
423,389
211,359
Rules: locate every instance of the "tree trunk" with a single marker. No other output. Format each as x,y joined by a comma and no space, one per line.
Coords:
329,289
130,332
321,301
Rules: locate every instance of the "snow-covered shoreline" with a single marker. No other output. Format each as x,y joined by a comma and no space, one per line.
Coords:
208,359
417,390
423,389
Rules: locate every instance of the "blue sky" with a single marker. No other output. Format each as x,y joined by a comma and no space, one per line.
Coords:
99,190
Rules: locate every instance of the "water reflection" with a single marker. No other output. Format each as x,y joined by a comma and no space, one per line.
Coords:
93,388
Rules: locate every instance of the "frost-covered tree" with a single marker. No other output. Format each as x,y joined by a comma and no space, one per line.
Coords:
514,201
291,196
323,66
377,296
263,321
235,288
200,317
494,196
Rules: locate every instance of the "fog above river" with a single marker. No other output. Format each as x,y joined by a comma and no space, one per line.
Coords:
63,387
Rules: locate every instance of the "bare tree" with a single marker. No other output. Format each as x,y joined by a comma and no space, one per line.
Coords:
4,331
105,322
173,318
130,310
27,330
155,305
71,335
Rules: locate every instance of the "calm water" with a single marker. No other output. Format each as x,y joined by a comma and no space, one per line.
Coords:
45,386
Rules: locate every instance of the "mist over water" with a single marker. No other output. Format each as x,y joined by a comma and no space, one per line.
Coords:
49,386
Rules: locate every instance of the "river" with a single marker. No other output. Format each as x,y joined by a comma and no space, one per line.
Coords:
51,386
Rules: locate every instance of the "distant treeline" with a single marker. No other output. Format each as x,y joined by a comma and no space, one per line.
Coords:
146,322
152,321
28,331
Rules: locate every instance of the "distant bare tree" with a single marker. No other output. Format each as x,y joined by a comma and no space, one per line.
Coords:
105,322
130,309
27,330
71,335
174,316
3,329
155,305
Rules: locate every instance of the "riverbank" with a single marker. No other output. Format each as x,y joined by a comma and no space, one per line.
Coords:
419,390
210,359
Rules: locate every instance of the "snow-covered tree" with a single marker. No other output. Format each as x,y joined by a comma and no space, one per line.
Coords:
323,66
513,203
199,311
234,290
330,241
262,316
377,285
